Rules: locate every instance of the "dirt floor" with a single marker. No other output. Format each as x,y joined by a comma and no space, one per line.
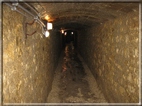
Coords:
73,81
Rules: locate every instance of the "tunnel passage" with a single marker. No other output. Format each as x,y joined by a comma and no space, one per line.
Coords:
107,39
69,36
73,82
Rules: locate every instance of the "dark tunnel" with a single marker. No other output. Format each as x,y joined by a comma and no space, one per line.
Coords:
70,52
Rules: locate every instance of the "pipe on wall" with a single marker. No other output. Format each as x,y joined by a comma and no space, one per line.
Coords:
35,17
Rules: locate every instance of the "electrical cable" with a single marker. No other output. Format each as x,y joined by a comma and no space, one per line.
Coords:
16,10
25,10
35,17
32,8
30,24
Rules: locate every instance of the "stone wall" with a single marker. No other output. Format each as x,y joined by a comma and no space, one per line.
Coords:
111,50
28,64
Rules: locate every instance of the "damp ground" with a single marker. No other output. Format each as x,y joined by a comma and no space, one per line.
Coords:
73,82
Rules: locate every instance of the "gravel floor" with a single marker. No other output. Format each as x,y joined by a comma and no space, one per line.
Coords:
73,81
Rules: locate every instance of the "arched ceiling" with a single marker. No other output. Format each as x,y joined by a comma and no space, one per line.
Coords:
81,15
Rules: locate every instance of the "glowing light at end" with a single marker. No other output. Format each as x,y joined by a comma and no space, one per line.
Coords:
49,26
65,33
47,33
72,33
62,31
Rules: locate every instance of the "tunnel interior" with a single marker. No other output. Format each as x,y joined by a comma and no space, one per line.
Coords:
104,34
69,36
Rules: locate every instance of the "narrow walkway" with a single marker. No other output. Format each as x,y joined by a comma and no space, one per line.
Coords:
73,81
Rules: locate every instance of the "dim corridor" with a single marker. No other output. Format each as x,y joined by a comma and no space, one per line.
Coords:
100,62
73,81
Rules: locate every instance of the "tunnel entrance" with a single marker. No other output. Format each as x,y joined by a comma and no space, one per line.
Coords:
69,36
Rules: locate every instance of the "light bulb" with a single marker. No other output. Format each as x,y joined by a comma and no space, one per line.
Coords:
49,26
65,33
47,17
47,33
62,31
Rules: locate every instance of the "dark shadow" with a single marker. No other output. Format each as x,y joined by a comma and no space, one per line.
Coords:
69,36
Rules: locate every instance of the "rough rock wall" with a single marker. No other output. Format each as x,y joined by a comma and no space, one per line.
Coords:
111,51
28,64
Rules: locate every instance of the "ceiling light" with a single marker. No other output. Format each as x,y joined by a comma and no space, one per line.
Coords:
62,31
47,17
49,26
65,33
47,33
